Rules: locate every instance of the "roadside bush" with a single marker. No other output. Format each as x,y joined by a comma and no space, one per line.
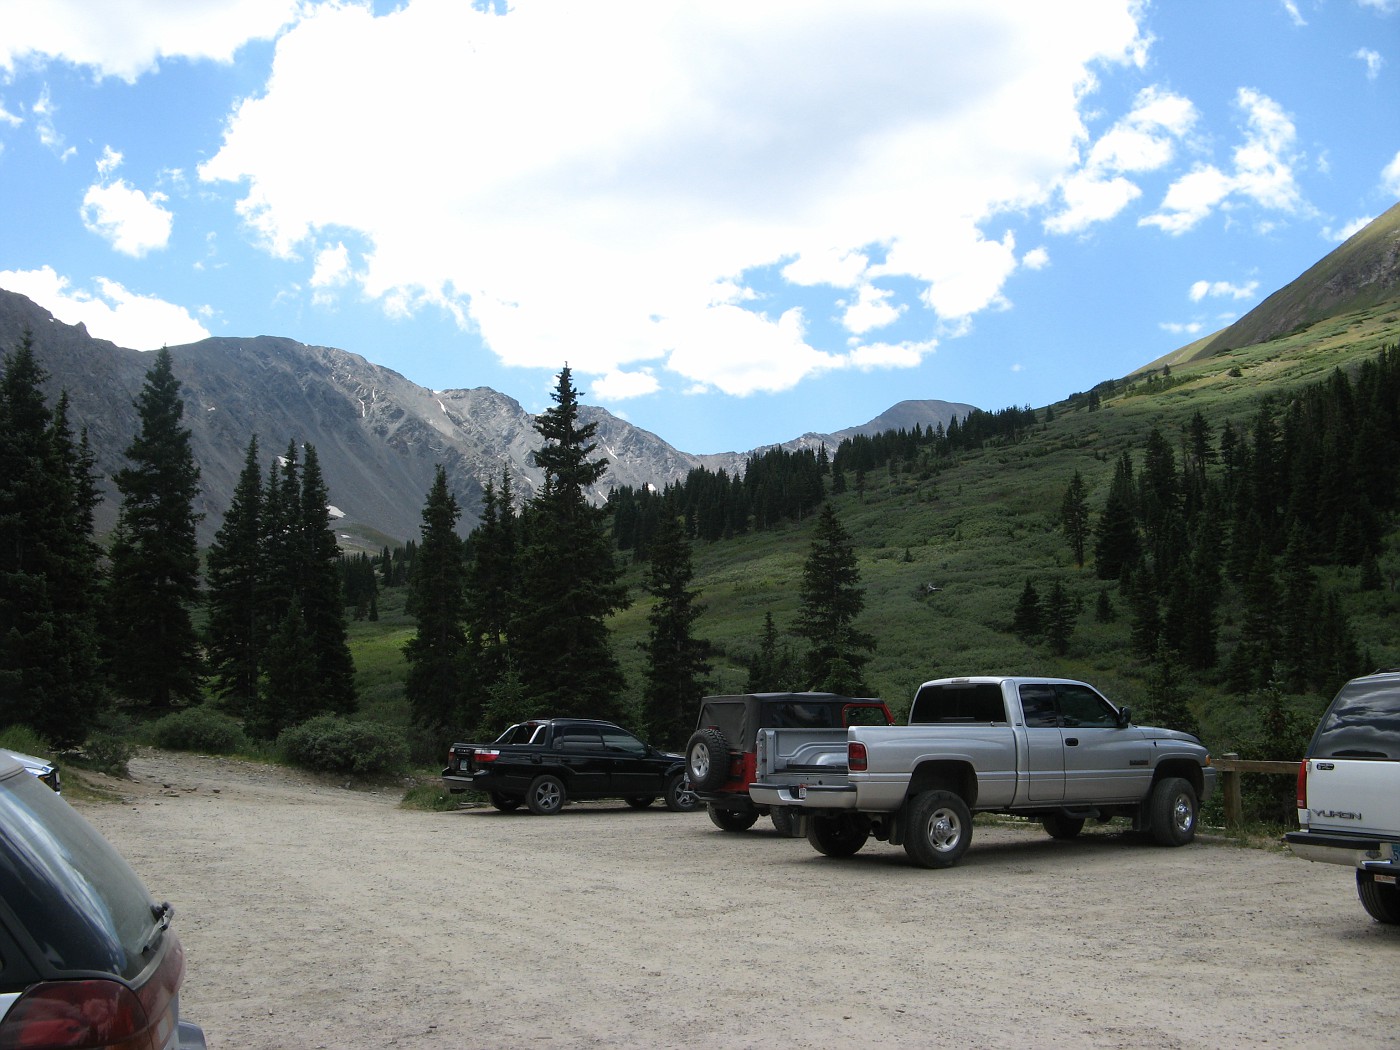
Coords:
24,740
105,753
199,729
331,744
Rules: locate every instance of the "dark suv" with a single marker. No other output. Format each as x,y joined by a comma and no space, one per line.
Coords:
721,757
87,959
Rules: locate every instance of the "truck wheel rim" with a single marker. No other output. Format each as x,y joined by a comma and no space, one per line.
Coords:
944,830
1181,814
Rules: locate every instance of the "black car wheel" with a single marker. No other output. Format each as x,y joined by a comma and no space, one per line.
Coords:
505,803
839,836
732,819
546,795
679,797
1060,826
707,760
639,801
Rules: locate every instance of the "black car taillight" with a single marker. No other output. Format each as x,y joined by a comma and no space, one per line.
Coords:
98,1014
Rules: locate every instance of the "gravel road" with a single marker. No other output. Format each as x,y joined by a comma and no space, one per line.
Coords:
317,916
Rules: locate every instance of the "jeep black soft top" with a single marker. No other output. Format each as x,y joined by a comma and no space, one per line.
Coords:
720,756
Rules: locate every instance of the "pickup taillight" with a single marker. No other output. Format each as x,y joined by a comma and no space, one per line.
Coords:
485,754
1303,784
856,759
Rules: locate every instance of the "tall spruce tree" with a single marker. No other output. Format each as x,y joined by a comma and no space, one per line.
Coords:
491,584
236,571
438,654
831,599
1074,518
320,592
569,581
154,652
49,673
676,666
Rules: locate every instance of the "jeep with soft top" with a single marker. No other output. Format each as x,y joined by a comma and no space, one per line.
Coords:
721,754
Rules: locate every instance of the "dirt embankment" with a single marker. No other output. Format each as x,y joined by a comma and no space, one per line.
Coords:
316,916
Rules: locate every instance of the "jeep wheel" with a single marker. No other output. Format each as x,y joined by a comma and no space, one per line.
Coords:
940,829
785,822
1171,812
639,801
505,803
839,836
731,819
707,760
1060,826
679,798
1380,899
546,795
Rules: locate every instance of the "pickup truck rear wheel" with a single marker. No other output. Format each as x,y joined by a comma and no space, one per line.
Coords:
707,760
1060,826
940,829
546,795
839,836
1171,812
679,798
505,803
732,819
1380,899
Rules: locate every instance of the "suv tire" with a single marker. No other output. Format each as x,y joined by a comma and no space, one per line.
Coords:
546,795
1380,899
678,796
707,760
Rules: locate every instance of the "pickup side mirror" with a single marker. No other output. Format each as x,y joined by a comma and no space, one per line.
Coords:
1125,717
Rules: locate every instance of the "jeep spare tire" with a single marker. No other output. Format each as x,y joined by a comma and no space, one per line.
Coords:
707,760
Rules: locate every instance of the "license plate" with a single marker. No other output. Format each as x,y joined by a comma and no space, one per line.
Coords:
800,792
1394,852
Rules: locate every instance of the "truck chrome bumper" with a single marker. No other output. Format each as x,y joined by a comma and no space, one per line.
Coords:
808,796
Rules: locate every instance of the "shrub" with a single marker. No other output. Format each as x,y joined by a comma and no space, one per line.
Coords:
105,753
199,729
431,797
24,740
330,744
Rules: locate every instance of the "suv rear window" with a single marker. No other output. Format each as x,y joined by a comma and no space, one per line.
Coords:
1363,721
61,881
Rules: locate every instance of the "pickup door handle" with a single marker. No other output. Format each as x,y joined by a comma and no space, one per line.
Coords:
1071,741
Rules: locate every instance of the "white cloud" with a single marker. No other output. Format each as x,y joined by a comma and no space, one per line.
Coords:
1035,259
137,322
1223,290
126,39
1350,229
1178,328
1143,141
1390,176
619,385
1372,60
1262,171
1294,15
872,309
605,185
132,222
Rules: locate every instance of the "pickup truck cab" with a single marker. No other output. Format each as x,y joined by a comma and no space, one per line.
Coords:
1349,791
721,754
1052,749
545,763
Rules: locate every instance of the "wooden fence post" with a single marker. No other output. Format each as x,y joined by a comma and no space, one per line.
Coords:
1230,785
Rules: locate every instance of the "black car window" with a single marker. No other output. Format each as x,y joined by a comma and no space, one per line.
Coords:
73,894
1363,722
579,738
794,714
1082,708
621,740
954,702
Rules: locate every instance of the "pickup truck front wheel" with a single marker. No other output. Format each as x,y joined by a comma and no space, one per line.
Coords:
839,836
546,795
1380,899
940,829
1171,811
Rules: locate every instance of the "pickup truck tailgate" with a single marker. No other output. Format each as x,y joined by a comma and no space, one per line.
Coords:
1355,796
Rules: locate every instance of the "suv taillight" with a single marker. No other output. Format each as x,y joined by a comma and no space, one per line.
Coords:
97,1015
1303,784
855,757
483,754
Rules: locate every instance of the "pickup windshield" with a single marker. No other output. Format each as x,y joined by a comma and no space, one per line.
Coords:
1363,722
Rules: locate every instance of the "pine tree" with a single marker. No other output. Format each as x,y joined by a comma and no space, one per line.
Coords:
831,599
236,634
153,648
438,653
569,582
1058,618
677,668
322,599
291,693
50,678
1074,518
1117,547
492,583
772,669
1025,622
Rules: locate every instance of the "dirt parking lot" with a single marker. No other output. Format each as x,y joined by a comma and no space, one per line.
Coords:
316,916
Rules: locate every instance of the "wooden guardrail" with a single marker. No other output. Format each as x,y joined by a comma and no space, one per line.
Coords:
1231,766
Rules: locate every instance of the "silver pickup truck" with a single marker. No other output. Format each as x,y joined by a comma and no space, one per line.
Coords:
1349,791
1046,748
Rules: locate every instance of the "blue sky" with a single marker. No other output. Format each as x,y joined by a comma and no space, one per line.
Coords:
736,221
